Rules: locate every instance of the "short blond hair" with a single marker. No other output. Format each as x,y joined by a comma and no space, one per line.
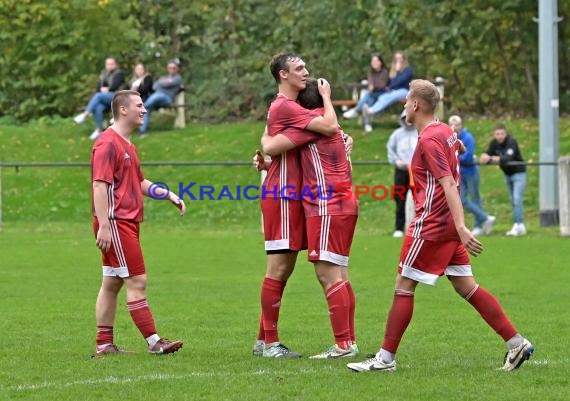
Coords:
426,92
455,119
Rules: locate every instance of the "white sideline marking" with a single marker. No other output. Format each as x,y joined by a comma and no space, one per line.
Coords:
155,377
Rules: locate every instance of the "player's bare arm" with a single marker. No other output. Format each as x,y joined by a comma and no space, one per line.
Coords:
157,192
101,204
275,145
474,247
328,123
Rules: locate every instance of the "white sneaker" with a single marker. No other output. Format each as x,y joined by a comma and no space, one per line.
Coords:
351,113
517,230
398,234
488,225
515,357
95,134
373,364
477,231
367,128
334,352
80,118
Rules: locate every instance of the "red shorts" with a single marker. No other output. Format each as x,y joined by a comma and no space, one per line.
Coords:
283,224
124,258
330,238
425,261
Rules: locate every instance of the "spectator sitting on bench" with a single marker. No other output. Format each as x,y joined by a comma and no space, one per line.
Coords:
401,74
112,79
141,81
165,90
377,84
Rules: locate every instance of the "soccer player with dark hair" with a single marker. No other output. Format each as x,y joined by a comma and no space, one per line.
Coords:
330,216
437,240
283,219
118,186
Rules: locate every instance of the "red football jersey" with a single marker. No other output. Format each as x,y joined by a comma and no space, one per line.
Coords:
326,170
285,169
436,156
114,160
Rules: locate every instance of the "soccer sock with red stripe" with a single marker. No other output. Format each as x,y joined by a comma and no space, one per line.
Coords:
492,312
398,319
339,305
104,335
142,316
271,294
351,309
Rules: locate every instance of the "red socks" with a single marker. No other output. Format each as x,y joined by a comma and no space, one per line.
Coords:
104,335
351,309
338,299
141,315
271,294
492,312
398,319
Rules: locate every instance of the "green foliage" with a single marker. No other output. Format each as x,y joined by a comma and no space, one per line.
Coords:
51,52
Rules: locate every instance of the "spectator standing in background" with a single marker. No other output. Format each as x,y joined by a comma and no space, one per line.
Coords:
401,146
502,150
469,182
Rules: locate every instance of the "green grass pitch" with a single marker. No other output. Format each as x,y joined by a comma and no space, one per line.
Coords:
205,273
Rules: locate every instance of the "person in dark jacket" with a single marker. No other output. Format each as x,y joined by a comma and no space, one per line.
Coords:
165,90
141,81
378,78
401,74
111,80
504,150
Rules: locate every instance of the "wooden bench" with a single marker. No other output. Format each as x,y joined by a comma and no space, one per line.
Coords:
356,88
179,109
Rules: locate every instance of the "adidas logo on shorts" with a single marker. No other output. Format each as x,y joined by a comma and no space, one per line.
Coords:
314,253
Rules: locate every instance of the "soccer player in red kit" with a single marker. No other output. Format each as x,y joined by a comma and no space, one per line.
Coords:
283,219
437,240
117,191
330,216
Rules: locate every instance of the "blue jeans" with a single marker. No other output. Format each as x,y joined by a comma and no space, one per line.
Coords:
155,101
471,199
368,98
98,105
385,100
516,184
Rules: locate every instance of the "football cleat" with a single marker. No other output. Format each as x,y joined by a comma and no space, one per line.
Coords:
278,350
374,364
163,346
515,357
334,352
107,349
258,348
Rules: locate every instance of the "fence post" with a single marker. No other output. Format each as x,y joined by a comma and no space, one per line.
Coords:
439,83
564,194
179,103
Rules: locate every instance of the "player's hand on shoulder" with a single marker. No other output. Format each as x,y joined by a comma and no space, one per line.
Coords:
324,87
